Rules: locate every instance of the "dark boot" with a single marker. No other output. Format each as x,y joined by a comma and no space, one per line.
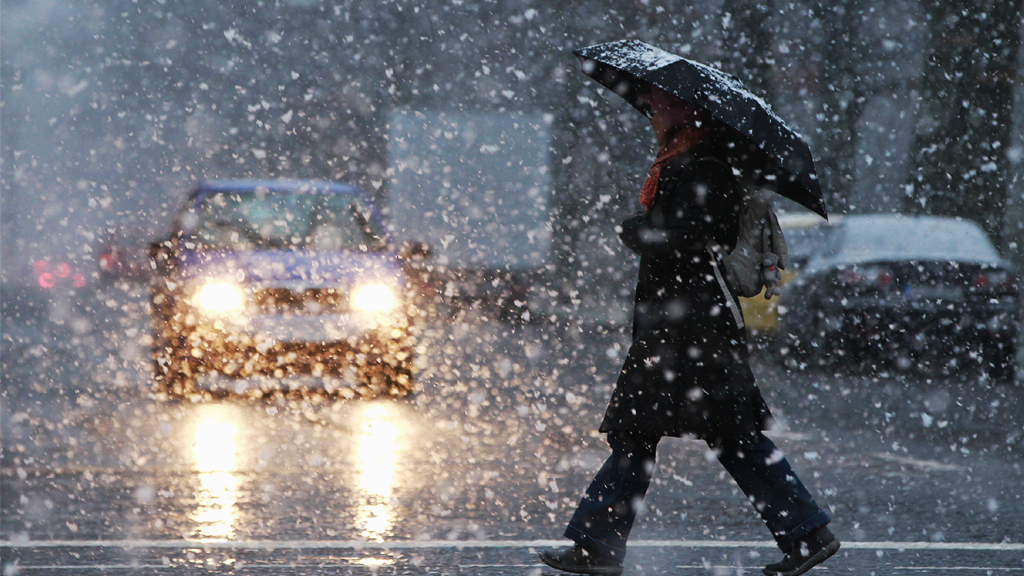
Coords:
810,551
578,561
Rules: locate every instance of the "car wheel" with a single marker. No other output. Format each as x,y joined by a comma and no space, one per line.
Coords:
815,346
805,337
1000,361
792,346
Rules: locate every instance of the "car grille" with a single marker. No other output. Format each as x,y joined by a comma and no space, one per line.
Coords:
301,301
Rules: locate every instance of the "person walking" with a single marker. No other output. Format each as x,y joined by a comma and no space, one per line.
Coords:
687,370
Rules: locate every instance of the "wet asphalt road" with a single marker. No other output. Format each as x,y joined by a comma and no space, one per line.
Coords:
478,470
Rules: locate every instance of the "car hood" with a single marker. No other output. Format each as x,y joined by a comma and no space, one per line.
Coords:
291,266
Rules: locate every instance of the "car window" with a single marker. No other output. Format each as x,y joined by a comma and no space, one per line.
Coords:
319,222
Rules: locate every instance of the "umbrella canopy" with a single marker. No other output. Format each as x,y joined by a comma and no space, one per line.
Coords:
630,67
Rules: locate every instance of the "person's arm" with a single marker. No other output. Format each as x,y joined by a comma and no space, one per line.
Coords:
677,222
630,232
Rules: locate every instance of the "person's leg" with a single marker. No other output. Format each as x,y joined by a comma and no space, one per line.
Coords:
765,476
605,515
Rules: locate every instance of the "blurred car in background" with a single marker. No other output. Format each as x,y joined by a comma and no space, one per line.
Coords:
282,277
24,321
804,233
923,292
124,255
44,310
67,288
58,274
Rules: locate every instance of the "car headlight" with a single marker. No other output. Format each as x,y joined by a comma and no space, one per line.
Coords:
373,298
220,297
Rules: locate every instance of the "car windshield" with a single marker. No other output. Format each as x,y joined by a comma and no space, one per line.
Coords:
912,239
317,222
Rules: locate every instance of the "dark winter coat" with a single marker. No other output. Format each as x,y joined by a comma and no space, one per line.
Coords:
687,370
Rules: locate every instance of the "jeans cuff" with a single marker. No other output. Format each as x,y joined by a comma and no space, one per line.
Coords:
593,545
810,525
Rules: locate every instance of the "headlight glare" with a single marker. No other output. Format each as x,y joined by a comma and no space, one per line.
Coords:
373,298
220,297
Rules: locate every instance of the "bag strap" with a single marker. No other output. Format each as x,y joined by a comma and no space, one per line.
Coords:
713,248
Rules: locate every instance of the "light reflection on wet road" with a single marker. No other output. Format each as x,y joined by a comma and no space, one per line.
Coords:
213,447
376,453
495,448
353,454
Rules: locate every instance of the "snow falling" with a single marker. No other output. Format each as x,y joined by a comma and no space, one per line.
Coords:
350,272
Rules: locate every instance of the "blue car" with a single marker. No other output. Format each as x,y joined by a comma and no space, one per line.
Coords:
282,277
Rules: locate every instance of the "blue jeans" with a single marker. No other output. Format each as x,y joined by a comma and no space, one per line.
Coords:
605,516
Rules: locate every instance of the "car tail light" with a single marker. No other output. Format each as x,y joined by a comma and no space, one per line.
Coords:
107,261
47,280
995,281
868,277
1010,284
883,277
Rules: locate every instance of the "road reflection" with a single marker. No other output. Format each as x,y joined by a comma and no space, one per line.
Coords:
214,451
222,444
376,455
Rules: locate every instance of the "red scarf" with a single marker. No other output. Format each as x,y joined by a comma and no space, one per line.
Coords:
682,141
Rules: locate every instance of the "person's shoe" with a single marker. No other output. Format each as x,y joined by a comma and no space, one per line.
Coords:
578,561
810,551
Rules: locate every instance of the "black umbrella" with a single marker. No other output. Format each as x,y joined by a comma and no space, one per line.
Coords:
630,68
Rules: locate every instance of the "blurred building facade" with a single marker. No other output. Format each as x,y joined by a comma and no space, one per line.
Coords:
113,110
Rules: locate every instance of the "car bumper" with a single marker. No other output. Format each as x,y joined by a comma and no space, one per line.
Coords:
281,345
315,329
265,330
936,324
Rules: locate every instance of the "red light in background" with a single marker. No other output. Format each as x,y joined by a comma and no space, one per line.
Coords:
63,270
78,280
884,277
40,266
46,280
107,261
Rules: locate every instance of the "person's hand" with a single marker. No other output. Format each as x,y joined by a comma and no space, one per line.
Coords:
633,222
629,231
771,275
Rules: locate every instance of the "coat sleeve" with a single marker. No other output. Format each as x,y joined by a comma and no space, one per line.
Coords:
682,219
